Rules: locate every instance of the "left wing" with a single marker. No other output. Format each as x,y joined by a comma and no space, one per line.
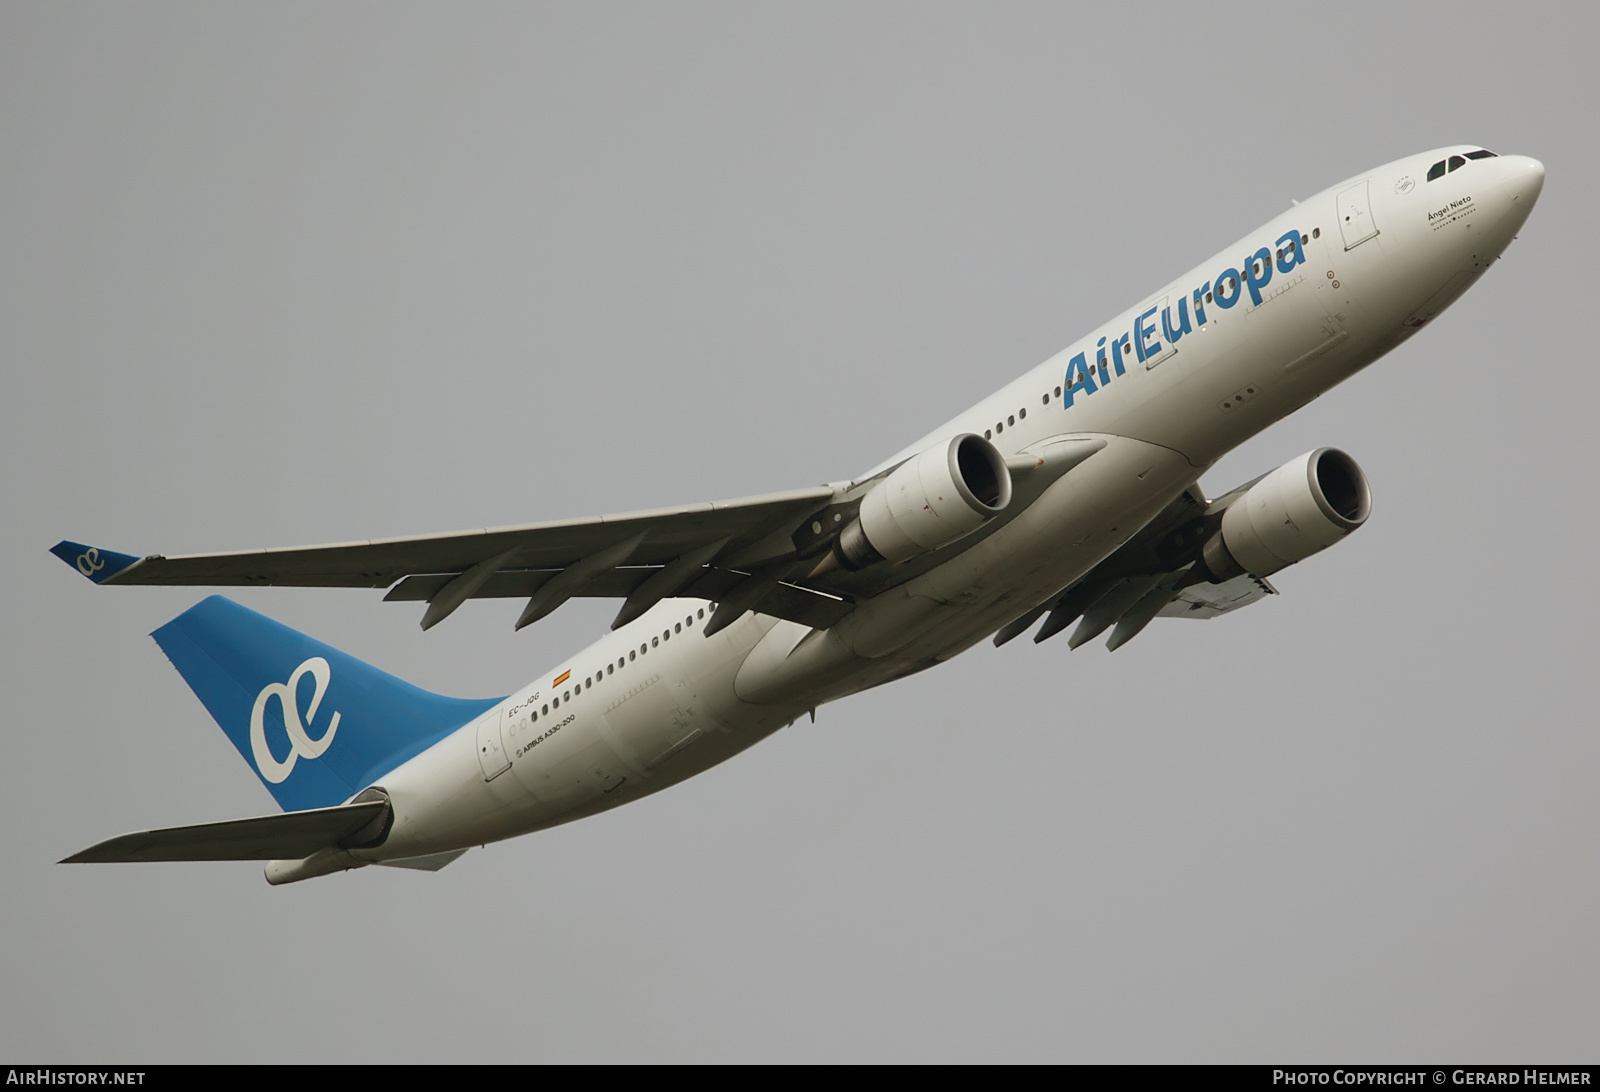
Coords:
704,550
766,554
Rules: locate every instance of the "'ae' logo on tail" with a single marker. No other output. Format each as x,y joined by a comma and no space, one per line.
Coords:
301,745
89,562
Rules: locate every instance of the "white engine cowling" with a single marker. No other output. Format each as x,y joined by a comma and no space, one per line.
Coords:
928,501
1301,508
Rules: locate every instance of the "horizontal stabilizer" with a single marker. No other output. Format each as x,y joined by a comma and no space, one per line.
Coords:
431,862
291,835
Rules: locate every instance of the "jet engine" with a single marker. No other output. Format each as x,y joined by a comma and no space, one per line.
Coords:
926,502
1301,508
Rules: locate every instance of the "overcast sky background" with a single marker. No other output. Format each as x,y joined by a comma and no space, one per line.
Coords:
283,274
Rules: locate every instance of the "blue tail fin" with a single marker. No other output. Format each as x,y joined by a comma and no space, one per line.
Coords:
316,725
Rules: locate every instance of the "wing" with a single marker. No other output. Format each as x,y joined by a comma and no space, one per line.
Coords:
708,551
1153,575
756,554
1211,600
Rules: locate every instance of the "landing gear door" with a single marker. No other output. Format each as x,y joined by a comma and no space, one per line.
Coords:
491,749
1355,215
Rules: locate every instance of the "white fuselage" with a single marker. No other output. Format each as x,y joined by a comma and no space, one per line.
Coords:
1171,385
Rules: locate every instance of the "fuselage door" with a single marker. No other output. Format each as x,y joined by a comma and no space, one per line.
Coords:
1355,215
1156,331
491,749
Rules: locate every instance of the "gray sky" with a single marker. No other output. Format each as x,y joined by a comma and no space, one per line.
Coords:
287,274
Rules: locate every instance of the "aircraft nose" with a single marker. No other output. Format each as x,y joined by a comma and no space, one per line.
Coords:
1516,184
1526,181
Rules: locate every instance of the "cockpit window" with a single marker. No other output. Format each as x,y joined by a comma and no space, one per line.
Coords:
1439,169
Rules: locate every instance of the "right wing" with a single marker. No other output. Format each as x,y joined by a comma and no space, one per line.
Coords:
1153,575
1212,600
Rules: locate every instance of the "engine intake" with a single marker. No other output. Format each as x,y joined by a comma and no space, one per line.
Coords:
1301,508
926,502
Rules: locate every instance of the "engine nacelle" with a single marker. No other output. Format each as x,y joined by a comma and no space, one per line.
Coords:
928,501
1301,508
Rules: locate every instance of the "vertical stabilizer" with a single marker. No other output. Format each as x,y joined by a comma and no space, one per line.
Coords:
316,725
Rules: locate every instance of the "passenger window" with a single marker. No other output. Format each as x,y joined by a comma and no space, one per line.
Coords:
1011,420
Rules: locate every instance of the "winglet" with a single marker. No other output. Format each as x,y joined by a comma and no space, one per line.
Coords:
94,562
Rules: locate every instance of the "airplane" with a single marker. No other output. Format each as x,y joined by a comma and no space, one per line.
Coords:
1069,495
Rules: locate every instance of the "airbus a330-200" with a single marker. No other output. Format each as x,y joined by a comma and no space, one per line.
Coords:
1067,496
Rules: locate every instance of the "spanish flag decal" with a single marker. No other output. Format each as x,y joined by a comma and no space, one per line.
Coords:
561,678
